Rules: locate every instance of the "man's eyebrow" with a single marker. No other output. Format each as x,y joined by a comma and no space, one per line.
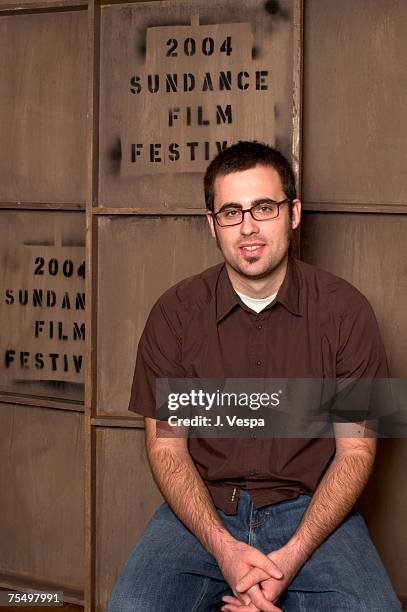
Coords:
230,205
254,203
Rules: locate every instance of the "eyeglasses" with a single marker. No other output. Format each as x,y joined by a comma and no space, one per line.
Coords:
264,211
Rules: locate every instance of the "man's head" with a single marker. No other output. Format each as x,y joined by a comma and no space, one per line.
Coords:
243,156
252,211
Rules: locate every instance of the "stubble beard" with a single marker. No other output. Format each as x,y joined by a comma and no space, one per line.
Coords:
269,269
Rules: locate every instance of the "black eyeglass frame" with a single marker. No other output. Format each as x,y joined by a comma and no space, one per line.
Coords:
250,210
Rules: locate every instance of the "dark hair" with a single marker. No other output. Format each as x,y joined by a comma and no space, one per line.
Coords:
243,156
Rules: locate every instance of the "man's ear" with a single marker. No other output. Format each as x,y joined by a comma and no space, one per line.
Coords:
211,222
296,214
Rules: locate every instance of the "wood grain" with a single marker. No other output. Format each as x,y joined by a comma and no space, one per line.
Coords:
92,157
126,498
43,107
354,147
150,255
41,479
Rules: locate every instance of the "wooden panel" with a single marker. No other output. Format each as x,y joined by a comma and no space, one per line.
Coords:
368,251
397,209
26,400
42,308
139,258
41,479
384,506
40,5
354,149
91,290
43,64
150,136
126,498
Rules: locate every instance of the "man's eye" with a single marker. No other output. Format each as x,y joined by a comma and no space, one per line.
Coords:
230,213
265,208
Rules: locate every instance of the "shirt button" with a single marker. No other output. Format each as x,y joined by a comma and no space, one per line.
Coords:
259,326
258,363
252,473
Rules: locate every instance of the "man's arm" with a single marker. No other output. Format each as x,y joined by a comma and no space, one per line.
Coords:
332,501
337,493
184,490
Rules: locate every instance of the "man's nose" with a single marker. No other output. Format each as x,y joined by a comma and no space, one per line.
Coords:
248,225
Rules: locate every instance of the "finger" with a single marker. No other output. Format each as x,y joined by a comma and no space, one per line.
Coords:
234,608
260,601
231,608
270,590
253,577
231,600
242,598
266,564
263,564
242,608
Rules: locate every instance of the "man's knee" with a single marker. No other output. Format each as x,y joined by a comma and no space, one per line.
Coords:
382,602
133,592
122,601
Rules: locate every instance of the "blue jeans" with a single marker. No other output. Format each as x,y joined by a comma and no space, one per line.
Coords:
169,571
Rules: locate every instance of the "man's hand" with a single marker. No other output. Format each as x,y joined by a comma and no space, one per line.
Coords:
238,560
332,501
288,560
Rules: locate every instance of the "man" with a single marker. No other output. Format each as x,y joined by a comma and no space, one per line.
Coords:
267,524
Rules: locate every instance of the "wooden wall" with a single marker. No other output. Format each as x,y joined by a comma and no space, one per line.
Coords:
354,196
43,64
41,480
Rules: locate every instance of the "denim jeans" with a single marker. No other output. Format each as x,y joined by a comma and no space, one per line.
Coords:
169,571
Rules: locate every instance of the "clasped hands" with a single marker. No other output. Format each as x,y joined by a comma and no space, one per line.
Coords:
257,580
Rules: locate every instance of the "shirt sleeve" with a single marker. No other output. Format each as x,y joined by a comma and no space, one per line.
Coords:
361,351
363,389
158,356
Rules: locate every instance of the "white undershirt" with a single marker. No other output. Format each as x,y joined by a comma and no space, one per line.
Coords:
256,304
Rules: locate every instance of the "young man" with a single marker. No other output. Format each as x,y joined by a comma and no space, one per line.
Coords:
267,524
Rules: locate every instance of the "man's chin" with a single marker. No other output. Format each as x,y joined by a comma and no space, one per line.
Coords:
252,271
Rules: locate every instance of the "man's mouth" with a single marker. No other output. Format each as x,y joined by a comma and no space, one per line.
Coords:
251,249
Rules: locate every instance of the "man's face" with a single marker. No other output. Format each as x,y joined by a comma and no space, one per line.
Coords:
270,238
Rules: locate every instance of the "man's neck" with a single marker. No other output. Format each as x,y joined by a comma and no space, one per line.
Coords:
258,287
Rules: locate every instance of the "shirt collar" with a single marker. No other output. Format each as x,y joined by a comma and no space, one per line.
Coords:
226,296
288,295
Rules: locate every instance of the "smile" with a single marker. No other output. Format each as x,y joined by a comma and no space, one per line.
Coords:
252,249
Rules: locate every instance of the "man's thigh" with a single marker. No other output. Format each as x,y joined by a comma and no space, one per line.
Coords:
344,573
168,570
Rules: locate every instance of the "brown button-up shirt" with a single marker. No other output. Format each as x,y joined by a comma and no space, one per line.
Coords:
319,326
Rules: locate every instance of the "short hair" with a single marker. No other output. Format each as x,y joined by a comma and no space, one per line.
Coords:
243,156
